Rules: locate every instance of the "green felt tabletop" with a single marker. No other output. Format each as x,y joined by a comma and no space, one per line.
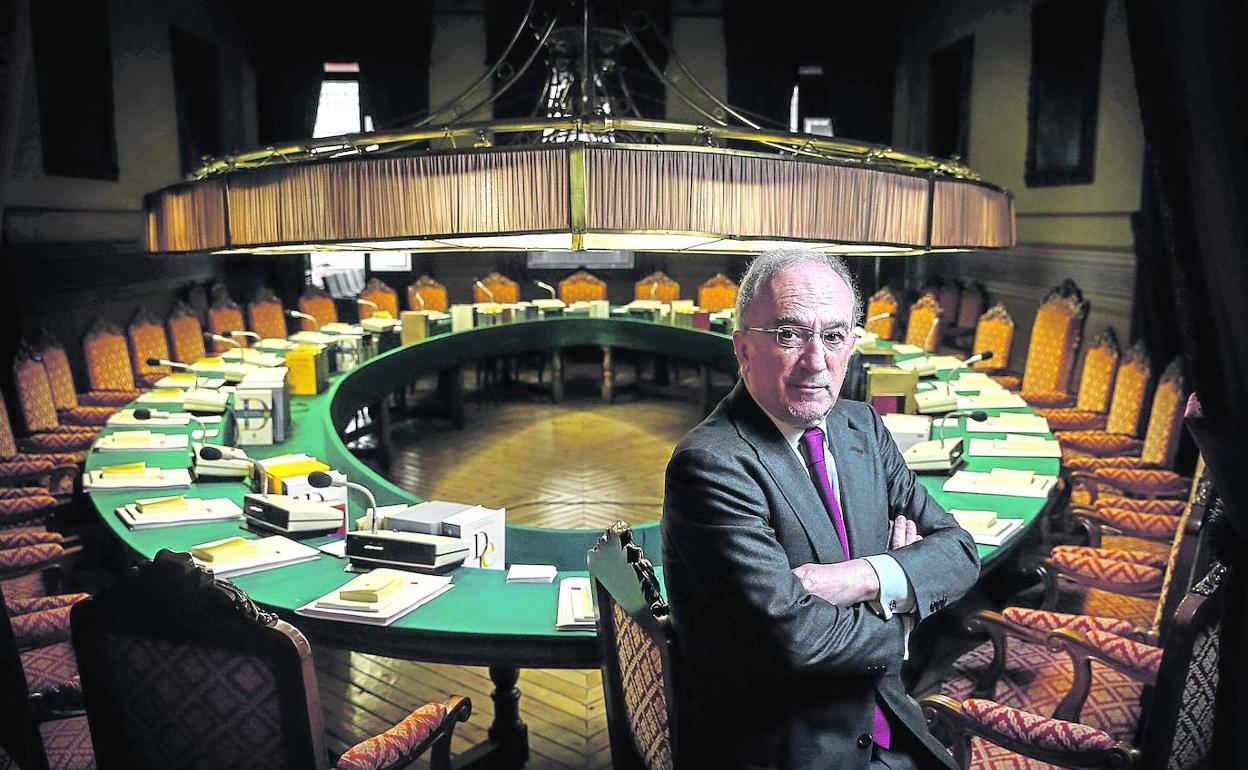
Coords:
482,606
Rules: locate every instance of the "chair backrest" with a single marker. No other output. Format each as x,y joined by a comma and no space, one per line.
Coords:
197,301
186,334
718,292
635,640
379,293
181,670
582,286
224,317
657,286
147,340
34,393
882,313
950,295
995,332
19,732
1100,366
1054,340
266,316
433,293
1177,732
1165,419
108,358
60,376
923,328
1130,389
971,305
8,444
501,289
319,304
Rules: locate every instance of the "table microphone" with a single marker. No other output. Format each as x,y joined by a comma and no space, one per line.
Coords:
549,288
244,333
174,365
978,415
322,480
983,356
316,326
419,299
483,288
210,337
369,303
876,317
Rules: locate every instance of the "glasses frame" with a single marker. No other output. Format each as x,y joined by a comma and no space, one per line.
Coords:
807,334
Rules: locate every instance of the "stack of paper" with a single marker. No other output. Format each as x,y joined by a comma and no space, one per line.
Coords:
531,573
162,396
962,387
232,371
985,527
235,556
926,364
204,400
254,357
142,441
903,349
1011,422
576,605
126,418
993,400
188,380
1001,481
136,476
233,464
1016,445
155,512
378,598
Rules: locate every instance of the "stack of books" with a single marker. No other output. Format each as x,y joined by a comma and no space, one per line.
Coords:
985,526
377,598
154,512
576,605
236,556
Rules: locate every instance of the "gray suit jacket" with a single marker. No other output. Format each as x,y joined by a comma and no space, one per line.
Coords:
771,676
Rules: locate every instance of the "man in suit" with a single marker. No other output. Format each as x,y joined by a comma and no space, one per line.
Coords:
799,550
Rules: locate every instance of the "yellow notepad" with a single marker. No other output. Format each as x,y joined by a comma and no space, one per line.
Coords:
211,361
165,392
230,549
131,437
125,470
975,519
174,504
372,588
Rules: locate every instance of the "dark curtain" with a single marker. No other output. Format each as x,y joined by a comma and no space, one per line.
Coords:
762,60
394,89
1190,77
287,92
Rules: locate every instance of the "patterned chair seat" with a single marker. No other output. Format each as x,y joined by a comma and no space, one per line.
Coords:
1010,382
1098,443
1068,419
67,743
49,665
1146,482
1051,400
147,340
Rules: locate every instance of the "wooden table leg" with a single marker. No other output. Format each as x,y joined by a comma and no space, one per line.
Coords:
452,380
384,445
556,376
508,744
608,374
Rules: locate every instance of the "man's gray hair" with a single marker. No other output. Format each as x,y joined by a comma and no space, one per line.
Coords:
766,265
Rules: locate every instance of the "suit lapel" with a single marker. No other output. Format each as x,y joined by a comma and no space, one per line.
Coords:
789,474
849,449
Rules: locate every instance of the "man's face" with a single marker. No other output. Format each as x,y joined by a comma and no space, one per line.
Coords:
797,386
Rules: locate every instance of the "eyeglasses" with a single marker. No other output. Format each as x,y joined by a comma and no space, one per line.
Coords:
834,340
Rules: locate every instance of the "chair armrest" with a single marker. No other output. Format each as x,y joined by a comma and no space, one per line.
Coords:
21,606
429,725
1161,527
1131,658
1146,482
43,627
59,702
15,562
1047,740
1121,577
18,538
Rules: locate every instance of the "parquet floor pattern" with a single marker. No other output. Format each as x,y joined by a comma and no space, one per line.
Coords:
582,464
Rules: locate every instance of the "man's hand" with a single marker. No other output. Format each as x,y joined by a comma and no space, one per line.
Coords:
844,584
904,533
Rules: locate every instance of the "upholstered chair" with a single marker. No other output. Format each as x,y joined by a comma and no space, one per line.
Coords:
197,301
972,302
108,364
582,286
949,295
718,292
43,428
266,316
144,645
636,645
432,295
31,506
1174,729
319,304
498,288
923,327
1088,409
147,340
1055,336
35,470
72,408
1126,407
993,332
1161,438
40,695
186,333
224,317
657,286
881,318
380,294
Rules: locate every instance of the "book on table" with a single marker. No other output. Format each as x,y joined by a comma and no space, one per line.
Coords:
1002,481
576,605
154,512
234,556
136,476
378,597
985,526
142,441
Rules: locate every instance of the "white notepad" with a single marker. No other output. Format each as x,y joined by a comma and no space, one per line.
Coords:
197,512
532,573
188,380
985,527
1015,445
126,418
996,482
269,553
416,590
1011,423
151,478
576,605
994,400
143,441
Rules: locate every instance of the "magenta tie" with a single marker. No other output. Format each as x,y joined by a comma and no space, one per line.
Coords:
812,441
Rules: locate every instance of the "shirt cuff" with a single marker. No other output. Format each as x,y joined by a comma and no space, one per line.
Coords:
896,593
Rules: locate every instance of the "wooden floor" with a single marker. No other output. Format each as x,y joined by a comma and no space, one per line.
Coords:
581,464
